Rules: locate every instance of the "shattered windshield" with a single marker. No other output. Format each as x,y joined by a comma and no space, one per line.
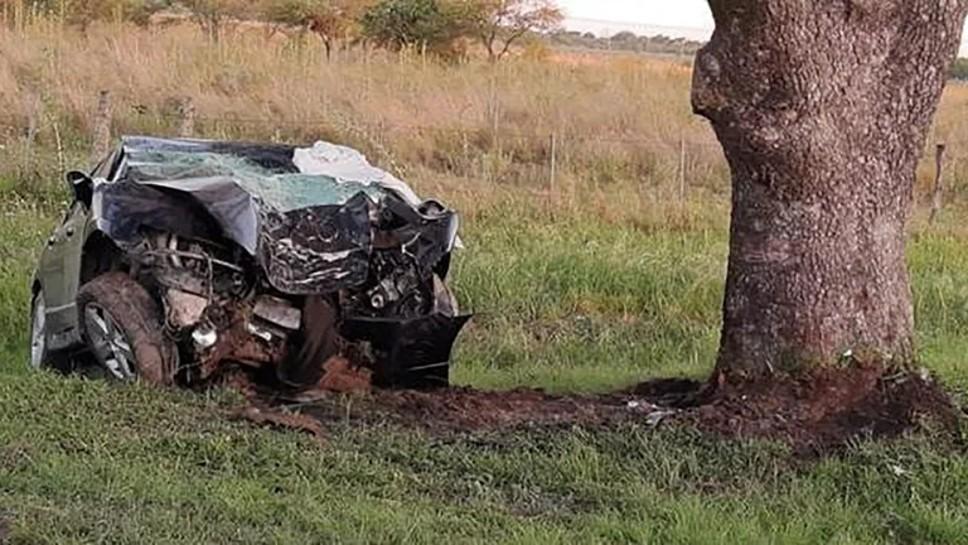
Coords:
278,185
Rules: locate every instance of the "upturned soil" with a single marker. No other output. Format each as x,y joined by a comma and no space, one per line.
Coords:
815,413
828,408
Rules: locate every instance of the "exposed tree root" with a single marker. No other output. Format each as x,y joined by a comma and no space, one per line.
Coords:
828,408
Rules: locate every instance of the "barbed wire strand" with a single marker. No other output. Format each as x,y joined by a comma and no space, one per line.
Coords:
543,137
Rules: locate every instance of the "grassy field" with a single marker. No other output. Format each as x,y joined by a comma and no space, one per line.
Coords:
608,279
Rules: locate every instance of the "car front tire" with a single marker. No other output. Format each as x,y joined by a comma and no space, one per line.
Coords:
123,328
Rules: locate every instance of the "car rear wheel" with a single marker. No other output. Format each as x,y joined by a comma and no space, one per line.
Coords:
122,326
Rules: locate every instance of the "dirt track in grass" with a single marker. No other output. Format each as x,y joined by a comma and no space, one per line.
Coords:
817,413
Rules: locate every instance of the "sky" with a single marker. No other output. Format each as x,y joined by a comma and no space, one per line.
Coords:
687,18
676,13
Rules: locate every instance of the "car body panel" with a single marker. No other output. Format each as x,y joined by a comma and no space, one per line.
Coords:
58,275
267,222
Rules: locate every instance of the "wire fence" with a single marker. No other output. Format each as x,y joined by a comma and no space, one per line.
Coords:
490,152
680,149
186,115
396,127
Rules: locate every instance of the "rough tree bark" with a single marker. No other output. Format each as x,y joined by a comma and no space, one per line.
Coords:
822,109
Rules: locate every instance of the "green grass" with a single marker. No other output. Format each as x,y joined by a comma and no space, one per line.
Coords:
591,307
576,304
84,462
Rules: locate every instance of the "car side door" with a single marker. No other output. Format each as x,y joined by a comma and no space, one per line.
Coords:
59,268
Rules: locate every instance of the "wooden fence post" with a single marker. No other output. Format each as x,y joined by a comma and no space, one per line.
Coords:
102,127
34,107
554,164
937,199
186,126
682,168
61,161
466,148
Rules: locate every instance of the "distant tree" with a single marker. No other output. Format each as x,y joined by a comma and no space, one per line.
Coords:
625,37
433,24
82,13
331,20
626,41
959,70
141,11
211,15
500,23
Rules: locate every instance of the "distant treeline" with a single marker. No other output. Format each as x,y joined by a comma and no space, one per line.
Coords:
626,41
959,70
442,27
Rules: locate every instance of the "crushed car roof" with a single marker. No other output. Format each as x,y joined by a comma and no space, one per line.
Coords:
304,212
286,177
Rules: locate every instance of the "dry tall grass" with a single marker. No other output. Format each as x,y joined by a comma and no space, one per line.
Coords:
473,130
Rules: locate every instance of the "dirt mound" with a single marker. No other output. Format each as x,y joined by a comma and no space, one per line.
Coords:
815,413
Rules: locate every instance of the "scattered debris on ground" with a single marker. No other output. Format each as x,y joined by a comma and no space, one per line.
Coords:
671,392
281,418
339,375
442,410
468,409
815,414
262,410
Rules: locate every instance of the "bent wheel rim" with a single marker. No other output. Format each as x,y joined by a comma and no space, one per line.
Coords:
38,334
109,343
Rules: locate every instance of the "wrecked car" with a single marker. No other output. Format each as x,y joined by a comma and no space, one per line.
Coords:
180,258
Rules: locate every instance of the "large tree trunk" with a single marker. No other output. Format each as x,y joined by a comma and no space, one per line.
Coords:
822,109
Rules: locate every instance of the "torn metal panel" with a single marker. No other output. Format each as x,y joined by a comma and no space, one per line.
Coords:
408,353
278,312
123,209
232,209
319,249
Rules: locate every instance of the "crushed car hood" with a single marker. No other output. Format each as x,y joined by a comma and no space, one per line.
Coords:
305,214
